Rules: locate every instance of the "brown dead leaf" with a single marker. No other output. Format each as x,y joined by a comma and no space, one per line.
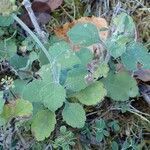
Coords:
145,91
42,19
52,4
143,75
42,9
61,32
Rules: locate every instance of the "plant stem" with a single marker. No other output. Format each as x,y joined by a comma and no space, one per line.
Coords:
25,27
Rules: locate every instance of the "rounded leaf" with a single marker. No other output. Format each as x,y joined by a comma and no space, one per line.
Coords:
53,96
92,95
62,54
18,108
43,124
74,115
121,86
84,34
76,79
136,53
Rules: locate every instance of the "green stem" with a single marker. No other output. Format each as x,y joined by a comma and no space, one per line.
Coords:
26,28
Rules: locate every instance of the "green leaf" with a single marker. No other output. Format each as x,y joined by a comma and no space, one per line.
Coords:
7,7
116,45
6,21
2,102
55,99
23,108
84,34
99,136
63,55
19,108
106,133
74,115
2,122
92,94
76,79
1,32
100,124
43,59
114,145
43,124
124,24
102,71
136,53
85,56
114,125
44,90
18,62
19,85
7,48
31,91
121,86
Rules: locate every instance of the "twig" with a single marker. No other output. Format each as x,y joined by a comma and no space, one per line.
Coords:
32,16
24,144
135,113
136,110
72,19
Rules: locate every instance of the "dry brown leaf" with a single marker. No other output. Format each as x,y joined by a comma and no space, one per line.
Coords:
143,75
42,9
53,4
145,91
61,32
42,18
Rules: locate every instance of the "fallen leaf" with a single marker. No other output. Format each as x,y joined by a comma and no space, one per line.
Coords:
52,4
39,6
41,9
42,18
143,75
61,32
145,91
